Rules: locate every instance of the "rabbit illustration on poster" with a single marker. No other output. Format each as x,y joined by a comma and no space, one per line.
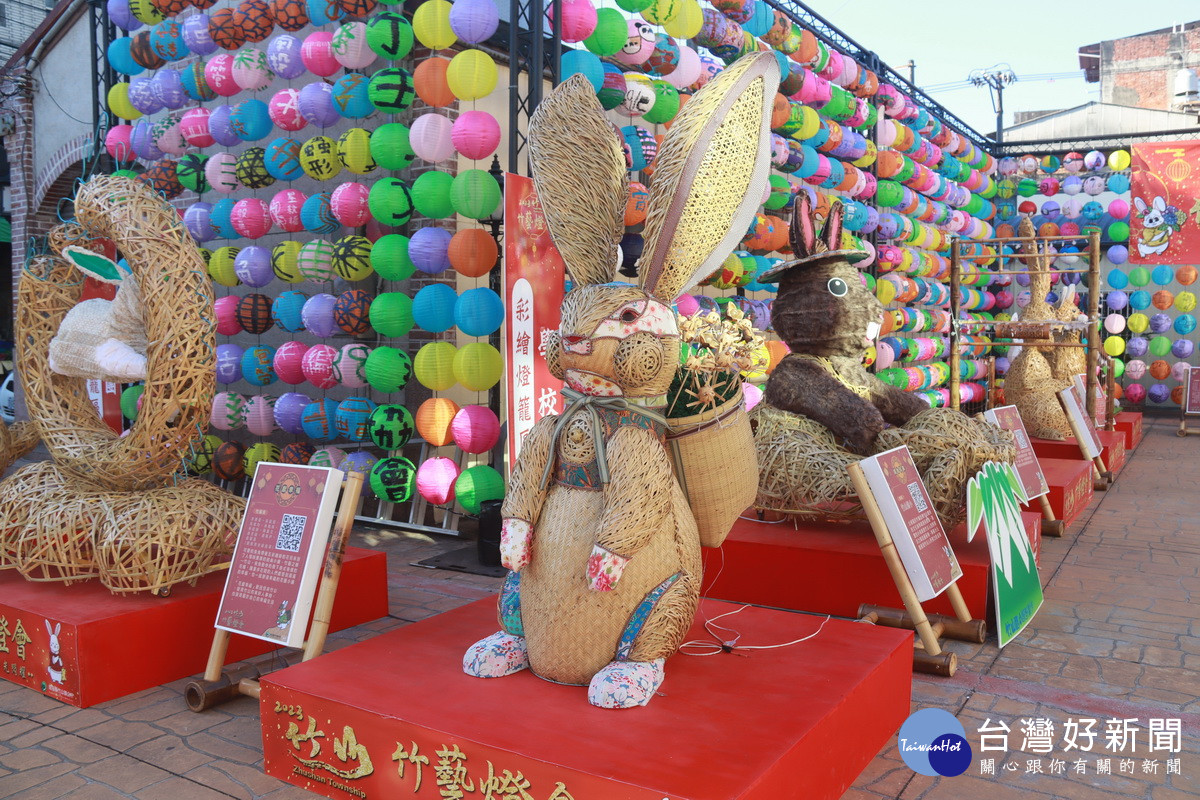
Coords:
56,668
1159,222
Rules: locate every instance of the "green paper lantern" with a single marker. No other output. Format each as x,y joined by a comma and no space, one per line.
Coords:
390,258
612,31
391,90
388,369
475,193
392,479
391,426
285,261
434,366
634,6
190,171
260,451
1160,346
781,192
666,103
390,35
129,401
476,485
220,266
431,194
478,366
390,147
391,202
201,460
1138,276
1119,231
391,314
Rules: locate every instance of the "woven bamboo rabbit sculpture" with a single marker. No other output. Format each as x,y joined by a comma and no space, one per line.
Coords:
597,531
827,316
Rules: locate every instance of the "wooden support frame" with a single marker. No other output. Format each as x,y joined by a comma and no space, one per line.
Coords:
219,685
928,656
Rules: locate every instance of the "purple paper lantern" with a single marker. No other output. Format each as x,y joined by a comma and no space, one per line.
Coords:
121,16
1137,346
142,95
316,104
427,249
196,36
229,363
289,412
220,126
1158,393
1160,323
142,141
1182,348
283,57
474,21
253,266
196,220
318,315
168,88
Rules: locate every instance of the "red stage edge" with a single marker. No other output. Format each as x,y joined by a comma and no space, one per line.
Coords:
1071,486
395,717
1033,531
1112,449
111,645
1130,423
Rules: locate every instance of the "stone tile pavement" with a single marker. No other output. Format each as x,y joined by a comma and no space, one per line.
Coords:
1116,639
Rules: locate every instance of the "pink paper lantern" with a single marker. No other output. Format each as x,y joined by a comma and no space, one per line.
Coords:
327,457
285,209
226,313
639,45
435,480
251,217
169,138
687,71
475,429
289,362
260,415
349,46
578,19
430,137
194,127
228,411
218,73
317,54
318,366
350,365
475,134
250,70
349,204
221,172
284,110
118,142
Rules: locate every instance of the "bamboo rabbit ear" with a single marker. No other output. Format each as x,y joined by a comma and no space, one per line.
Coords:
802,233
710,178
579,172
833,226
92,263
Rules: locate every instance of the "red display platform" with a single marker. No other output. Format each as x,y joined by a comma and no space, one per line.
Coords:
396,717
1112,449
826,568
1130,423
1033,530
113,645
1070,482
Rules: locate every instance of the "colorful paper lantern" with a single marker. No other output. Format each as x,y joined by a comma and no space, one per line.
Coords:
252,265
251,217
318,366
477,485
359,461
258,363
315,261
285,210
431,194
430,136
390,202
352,258
220,266
351,418
472,74
258,452
433,420
282,159
317,214
433,307
229,363
250,120
284,110
349,204
350,365
284,261
388,369
475,429
392,479
289,362
291,15
227,461
391,90
390,35
354,150
260,415
475,193
391,314
318,420
390,147
349,46
351,95
435,480
434,366
431,24
391,426
327,456
228,411
428,248
297,452
201,460
350,312
479,312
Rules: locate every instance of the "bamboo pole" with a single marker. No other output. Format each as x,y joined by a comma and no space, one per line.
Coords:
216,655
955,358
895,566
333,566
990,397
1110,399
1051,525
1093,312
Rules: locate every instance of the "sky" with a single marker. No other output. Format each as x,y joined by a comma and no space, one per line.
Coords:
1034,37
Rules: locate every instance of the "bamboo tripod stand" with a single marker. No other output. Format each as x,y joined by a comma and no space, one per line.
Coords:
928,656
219,685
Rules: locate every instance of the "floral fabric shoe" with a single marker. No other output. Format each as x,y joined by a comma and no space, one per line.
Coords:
496,656
626,684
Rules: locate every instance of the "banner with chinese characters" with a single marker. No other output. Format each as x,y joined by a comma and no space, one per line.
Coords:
533,295
280,548
1191,405
39,653
993,498
1029,469
1164,224
912,522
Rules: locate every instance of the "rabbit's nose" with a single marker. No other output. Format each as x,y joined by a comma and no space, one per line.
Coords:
580,345
573,339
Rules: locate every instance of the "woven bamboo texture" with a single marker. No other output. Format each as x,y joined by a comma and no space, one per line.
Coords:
49,526
16,440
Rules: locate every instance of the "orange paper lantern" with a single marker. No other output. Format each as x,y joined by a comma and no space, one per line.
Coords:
635,203
434,419
473,252
429,81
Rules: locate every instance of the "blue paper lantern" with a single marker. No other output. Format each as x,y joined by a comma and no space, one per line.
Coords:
584,63
1162,275
1139,300
351,97
479,312
360,461
318,420
433,307
352,417
166,39
250,120
428,250
258,365
220,218
760,21
282,159
121,59
1118,183
316,215
1185,324
286,310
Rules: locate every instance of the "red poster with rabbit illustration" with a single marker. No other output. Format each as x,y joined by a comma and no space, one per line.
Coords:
533,295
1164,224
39,653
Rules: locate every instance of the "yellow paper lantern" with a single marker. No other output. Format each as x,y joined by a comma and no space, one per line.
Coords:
434,365
687,23
220,266
434,419
660,12
118,102
431,24
471,75
885,291
478,366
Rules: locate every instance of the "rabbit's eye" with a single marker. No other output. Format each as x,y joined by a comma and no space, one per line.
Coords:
629,315
837,287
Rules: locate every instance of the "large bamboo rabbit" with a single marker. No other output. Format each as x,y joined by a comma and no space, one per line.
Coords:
597,531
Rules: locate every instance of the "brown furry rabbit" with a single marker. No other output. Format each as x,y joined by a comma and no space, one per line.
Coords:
597,530
827,316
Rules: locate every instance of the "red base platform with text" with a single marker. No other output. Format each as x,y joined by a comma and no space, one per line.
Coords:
1070,482
110,645
827,568
396,717
1130,423
1112,449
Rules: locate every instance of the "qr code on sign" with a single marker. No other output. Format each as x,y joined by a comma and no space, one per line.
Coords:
918,496
291,530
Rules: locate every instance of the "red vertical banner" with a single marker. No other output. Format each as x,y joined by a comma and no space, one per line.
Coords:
105,396
533,295
1164,225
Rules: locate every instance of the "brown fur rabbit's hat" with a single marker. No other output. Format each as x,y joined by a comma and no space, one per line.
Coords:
807,246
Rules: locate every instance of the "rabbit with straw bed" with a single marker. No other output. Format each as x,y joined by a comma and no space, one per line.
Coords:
597,531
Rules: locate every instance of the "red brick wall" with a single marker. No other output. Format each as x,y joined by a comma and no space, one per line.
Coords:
1140,70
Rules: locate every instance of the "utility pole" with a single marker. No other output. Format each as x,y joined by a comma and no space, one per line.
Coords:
912,71
995,78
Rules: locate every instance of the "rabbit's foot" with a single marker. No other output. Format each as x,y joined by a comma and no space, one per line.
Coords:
626,684
496,656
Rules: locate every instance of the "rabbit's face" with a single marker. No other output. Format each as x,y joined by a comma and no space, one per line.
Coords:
615,340
826,310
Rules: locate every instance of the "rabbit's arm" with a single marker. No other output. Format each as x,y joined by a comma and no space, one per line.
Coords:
523,501
896,405
637,503
802,387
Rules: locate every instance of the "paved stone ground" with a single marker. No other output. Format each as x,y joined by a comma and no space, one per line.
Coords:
1117,638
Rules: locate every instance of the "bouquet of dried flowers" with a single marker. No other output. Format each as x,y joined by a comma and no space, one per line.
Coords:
715,351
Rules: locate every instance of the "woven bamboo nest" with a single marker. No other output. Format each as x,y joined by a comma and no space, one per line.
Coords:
15,441
49,526
180,381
